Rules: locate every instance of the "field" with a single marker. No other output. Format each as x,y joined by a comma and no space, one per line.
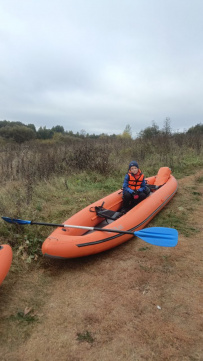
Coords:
135,302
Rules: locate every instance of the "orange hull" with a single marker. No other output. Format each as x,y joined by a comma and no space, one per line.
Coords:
5,260
72,243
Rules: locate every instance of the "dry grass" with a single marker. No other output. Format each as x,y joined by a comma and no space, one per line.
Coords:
110,300
37,160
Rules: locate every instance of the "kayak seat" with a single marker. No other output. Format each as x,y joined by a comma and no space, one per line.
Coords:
152,187
107,213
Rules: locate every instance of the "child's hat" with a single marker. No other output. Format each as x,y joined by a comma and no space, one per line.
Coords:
133,164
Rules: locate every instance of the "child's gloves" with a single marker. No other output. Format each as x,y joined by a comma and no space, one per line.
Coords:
135,195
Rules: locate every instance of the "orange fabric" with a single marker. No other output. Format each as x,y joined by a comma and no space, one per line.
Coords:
135,180
162,176
5,260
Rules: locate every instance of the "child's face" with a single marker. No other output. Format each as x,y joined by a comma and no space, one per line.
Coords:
134,169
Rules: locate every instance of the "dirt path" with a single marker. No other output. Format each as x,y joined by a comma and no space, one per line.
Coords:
136,302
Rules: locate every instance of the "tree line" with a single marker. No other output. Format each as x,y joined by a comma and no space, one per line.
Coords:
19,132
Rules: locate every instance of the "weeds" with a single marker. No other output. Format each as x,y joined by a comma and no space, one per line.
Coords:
200,179
51,202
145,268
85,337
24,316
37,160
143,248
178,221
30,249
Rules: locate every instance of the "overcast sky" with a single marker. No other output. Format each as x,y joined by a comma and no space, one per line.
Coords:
98,65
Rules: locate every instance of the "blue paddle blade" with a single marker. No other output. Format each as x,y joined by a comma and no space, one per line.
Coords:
13,220
159,236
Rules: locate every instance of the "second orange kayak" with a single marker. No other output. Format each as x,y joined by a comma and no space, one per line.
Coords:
6,255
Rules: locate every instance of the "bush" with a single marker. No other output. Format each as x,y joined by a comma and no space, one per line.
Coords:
18,133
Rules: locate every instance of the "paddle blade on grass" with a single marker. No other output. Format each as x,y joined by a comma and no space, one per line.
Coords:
159,236
15,221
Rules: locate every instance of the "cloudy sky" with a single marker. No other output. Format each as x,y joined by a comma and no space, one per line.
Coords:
100,65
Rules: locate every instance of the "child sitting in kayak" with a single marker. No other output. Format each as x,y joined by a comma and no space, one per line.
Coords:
134,188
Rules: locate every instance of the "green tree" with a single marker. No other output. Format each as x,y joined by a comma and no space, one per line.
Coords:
127,133
17,133
44,133
167,126
5,123
32,126
197,129
149,132
58,129
83,133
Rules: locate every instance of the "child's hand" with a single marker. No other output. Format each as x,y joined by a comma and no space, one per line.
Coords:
135,195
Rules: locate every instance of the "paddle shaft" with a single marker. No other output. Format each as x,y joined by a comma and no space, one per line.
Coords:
83,227
158,236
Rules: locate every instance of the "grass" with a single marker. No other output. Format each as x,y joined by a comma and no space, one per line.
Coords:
98,283
122,288
53,199
58,198
176,214
178,221
29,249
143,248
23,309
145,268
22,316
52,202
199,179
85,337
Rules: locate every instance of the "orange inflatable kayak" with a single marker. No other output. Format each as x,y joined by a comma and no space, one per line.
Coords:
76,242
5,260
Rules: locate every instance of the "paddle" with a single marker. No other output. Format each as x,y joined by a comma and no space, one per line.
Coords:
158,236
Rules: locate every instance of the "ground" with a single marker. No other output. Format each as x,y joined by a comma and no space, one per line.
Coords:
135,302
